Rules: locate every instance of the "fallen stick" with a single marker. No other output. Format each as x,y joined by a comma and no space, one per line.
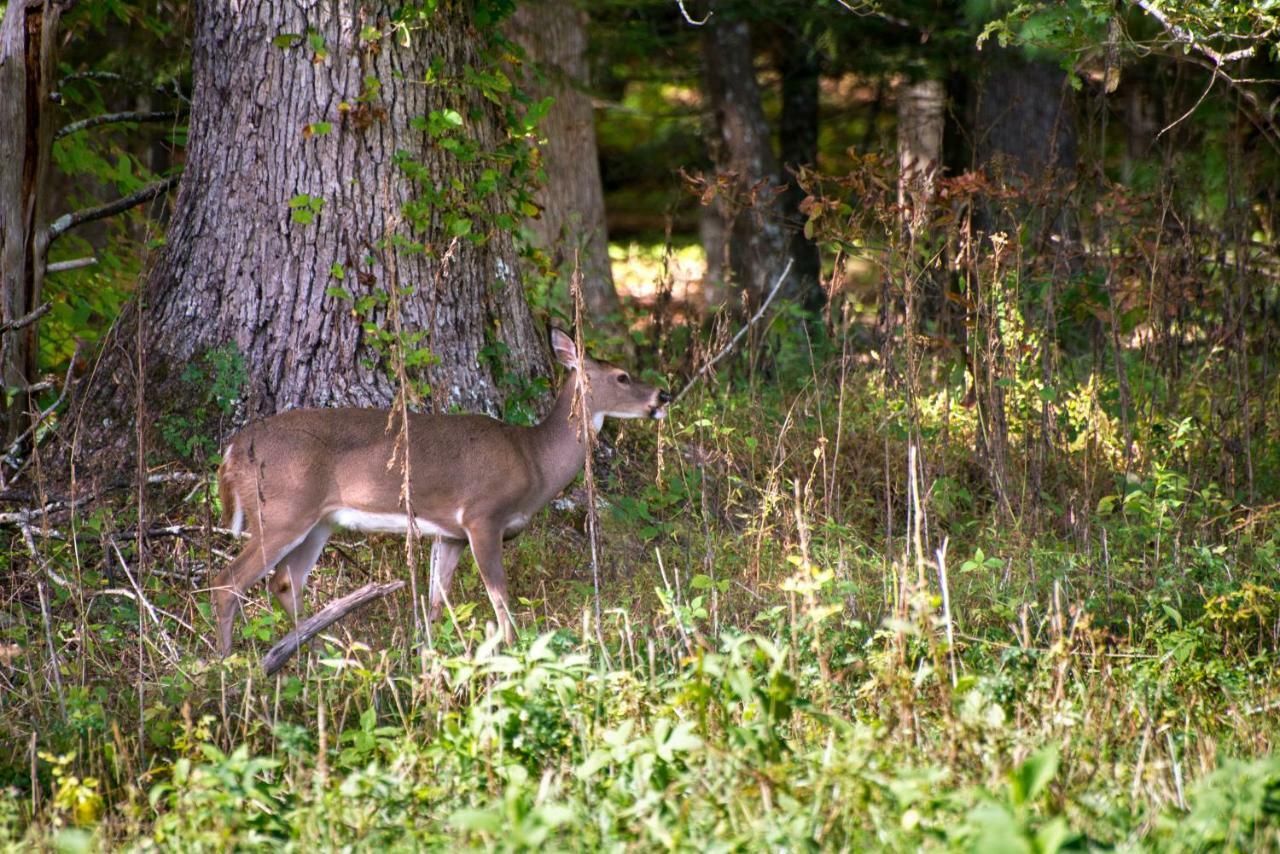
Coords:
321,620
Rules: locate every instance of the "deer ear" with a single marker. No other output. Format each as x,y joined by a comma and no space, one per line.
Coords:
562,345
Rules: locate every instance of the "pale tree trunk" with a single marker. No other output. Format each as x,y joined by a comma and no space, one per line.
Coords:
239,268
553,34
28,47
921,117
742,150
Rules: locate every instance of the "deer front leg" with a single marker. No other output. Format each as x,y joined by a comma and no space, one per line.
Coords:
259,556
486,546
444,560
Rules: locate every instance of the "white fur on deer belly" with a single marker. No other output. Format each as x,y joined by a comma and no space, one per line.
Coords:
384,523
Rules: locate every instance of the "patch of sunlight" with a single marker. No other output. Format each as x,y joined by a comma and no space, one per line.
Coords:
638,270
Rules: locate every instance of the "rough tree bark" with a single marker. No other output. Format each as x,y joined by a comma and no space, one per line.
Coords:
554,35
28,50
315,134
742,150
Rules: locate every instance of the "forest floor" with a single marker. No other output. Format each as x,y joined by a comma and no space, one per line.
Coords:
802,639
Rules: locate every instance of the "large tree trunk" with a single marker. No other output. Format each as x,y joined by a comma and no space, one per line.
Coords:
554,35
742,150
28,40
305,154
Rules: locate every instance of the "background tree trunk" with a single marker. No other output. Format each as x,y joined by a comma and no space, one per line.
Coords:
798,131
921,118
742,150
554,35
28,48
1023,135
306,153
1021,118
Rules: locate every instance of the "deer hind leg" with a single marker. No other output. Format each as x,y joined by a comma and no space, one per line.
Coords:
259,556
486,547
290,577
444,560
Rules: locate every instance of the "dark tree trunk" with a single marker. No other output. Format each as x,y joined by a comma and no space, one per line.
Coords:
305,154
28,47
1023,123
798,126
742,150
554,35
1023,134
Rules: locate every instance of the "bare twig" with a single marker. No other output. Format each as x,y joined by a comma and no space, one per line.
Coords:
872,10
25,517
1213,78
39,419
29,540
53,652
72,264
66,222
26,319
736,338
941,554
176,477
150,610
114,118
128,594
179,531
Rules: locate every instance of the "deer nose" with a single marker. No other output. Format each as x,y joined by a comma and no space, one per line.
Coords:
664,397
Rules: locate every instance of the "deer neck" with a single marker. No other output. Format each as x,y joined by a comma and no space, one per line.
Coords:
560,441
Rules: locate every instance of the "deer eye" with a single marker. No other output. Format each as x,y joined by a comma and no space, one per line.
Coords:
624,379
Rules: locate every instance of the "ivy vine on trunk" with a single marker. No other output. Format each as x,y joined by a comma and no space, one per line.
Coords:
336,155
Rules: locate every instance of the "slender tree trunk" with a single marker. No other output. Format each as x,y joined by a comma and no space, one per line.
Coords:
714,237
798,130
306,154
921,118
554,35
28,48
742,150
1023,133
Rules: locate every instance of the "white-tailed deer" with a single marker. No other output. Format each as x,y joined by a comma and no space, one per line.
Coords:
294,477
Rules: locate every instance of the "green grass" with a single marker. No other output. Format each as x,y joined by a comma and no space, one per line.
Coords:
773,667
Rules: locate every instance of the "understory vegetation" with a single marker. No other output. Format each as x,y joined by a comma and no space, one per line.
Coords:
819,624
